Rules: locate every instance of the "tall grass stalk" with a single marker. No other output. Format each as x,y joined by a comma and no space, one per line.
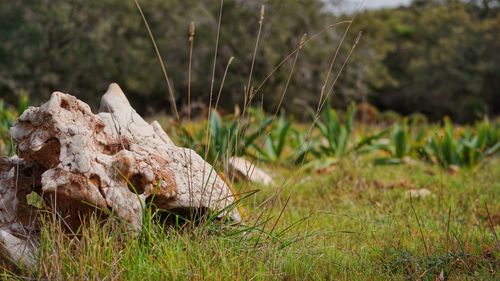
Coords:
317,114
284,183
163,67
248,89
301,45
334,58
192,28
212,81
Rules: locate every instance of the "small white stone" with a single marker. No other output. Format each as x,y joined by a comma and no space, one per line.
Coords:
418,193
245,170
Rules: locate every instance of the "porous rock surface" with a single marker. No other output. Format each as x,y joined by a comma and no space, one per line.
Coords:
110,162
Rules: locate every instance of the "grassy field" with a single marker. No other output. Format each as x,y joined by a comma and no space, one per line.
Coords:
354,222
340,208
342,211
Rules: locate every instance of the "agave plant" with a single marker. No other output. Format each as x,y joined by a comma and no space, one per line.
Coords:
231,136
466,149
303,146
404,141
275,140
336,134
488,137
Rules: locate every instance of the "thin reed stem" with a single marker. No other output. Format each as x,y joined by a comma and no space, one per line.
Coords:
222,83
191,43
208,132
163,67
261,23
287,57
334,59
420,228
301,44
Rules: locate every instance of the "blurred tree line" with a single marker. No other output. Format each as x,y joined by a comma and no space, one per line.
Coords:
434,57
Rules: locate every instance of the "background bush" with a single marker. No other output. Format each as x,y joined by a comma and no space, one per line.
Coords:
434,57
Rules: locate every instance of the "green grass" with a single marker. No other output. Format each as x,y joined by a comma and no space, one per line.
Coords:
349,220
354,223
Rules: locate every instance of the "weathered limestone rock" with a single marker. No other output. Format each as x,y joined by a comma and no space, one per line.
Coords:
113,161
243,169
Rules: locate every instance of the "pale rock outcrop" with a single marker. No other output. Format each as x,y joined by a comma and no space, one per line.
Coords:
113,161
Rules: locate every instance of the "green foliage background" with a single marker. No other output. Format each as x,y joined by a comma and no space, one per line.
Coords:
434,57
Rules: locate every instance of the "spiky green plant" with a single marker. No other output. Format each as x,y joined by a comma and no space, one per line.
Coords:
231,136
338,136
336,133
463,149
405,141
275,140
